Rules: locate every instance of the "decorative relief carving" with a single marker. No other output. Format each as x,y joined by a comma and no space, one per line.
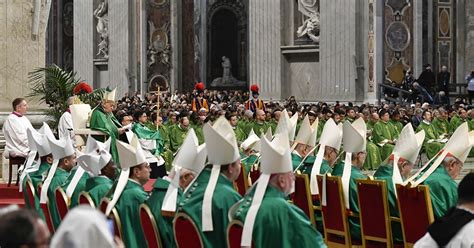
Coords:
397,36
158,3
311,26
397,6
101,14
68,19
444,22
159,47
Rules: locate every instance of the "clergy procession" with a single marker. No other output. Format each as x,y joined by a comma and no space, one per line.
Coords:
230,181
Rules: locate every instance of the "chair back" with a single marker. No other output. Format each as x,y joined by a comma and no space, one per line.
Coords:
302,196
103,204
62,202
117,222
254,174
80,115
30,193
85,198
374,213
234,234
242,182
186,233
149,227
336,225
47,215
416,212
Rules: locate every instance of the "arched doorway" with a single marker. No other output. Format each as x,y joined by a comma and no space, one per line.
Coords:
227,36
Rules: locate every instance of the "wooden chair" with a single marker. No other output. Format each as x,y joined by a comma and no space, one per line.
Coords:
242,183
254,174
117,222
149,227
62,202
302,196
103,204
186,233
234,234
80,117
30,193
47,215
335,216
85,198
11,161
416,212
374,213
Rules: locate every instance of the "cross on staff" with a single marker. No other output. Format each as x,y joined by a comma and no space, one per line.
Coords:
157,92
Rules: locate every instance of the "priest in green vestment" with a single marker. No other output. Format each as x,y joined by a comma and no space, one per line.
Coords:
129,193
259,126
64,160
269,220
250,148
383,135
224,167
373,158
432,144
178,132
354,144
441,173
405,155
458,119
78,187
396,124
441,123
103,119
165,195
304,142
102,169
234,122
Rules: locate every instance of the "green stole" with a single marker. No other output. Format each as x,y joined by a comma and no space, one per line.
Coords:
144,132
128,208
81,184
259,128
165,224
106,123
97,187
59,178
223,198
278,223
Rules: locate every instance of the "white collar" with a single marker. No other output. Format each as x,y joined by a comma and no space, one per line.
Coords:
427,122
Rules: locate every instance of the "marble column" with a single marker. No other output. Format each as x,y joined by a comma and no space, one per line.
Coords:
417,37
83,40
264,47
121,67
175,9
338,50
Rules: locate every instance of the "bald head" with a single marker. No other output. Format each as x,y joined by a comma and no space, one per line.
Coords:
260,115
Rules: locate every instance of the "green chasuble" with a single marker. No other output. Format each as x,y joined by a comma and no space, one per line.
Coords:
373,158
128,208
239,134
97,187
79,187
166,153
307,166
144,132
59,178
383,131
384,172
177,135
278,223
259,128
199,134
370,125
107,123
295,159
431,147
165,224
441,126
397,128
273,124
248,161
321,124
223,199
354,223
456,121
443,191
245,126
36,177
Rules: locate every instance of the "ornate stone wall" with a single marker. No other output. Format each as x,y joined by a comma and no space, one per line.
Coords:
19,52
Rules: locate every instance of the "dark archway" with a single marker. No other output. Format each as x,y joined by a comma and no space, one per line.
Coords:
224,42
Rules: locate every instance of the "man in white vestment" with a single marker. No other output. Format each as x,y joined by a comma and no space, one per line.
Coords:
65,127
456,228
14,130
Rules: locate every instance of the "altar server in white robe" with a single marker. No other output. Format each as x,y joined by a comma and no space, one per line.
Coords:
14,129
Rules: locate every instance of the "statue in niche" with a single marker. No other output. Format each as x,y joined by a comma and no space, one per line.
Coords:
311,25
159,47
226,66
227,80
101,13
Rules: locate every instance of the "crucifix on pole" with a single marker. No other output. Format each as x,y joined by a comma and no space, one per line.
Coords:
157,93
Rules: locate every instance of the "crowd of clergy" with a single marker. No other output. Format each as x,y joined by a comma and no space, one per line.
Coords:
197,155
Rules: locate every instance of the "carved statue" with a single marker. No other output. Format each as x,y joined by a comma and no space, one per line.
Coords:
311,25
226,66
159,47
101,13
